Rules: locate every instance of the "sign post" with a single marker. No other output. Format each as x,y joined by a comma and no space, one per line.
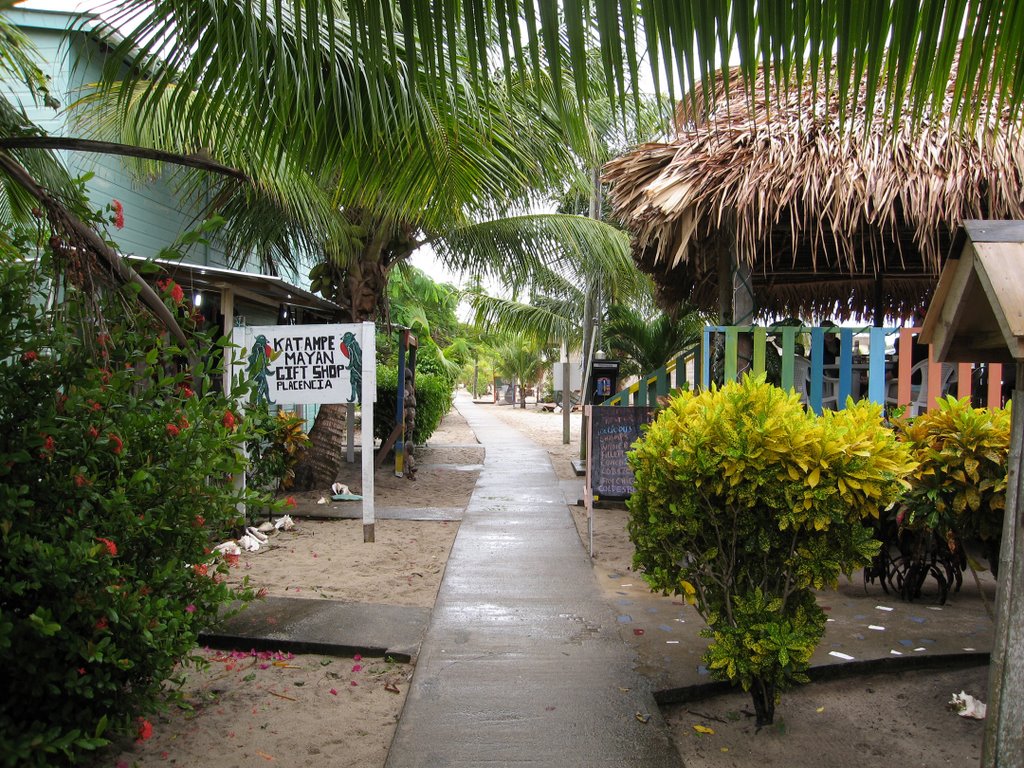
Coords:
317,364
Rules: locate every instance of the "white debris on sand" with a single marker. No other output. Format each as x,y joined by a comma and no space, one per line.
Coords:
967,706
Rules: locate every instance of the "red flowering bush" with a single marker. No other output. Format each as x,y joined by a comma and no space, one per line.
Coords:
115,472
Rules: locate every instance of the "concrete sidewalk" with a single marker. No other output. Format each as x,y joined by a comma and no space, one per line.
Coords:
522,662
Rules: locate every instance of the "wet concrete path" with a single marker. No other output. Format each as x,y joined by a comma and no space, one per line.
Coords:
522,663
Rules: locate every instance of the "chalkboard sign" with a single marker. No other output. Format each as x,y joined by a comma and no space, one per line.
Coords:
613,430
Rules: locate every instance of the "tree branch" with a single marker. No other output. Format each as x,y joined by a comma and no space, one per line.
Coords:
113,148
96,244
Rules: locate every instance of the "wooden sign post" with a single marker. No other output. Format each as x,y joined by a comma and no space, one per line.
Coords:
977,315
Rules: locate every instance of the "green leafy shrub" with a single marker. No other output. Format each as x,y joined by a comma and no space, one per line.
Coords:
433,401
274,455
116,468
430,361
744,504
959,487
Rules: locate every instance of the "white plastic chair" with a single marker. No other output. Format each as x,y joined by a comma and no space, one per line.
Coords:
919,391
802,384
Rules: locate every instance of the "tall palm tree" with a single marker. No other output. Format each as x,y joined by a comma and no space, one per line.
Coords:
356,197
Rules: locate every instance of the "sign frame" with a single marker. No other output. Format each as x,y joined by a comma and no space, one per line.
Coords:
355,342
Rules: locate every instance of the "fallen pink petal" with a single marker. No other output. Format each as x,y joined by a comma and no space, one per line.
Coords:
333,691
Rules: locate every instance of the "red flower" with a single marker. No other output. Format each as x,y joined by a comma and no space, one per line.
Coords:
80,480
290,502
200,569
172,430
118,213
231,559
29,357
116,443
81,670
185,391
48,443
169,286
93,432
228,420
199,521
183,423
111,546
95,406
190,608
145,729
102,623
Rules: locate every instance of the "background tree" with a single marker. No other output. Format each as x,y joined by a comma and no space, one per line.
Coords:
520,359
645,341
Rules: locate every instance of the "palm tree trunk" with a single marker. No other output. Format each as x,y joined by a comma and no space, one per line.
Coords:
319,466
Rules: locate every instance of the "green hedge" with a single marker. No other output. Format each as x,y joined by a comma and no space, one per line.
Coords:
433,401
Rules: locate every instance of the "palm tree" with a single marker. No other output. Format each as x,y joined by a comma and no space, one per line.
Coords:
645,341
907,49
360,201
520,359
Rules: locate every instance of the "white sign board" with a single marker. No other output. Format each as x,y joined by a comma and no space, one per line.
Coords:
316,364
296,364
575,374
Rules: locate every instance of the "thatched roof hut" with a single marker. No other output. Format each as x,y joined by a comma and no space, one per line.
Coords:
832,223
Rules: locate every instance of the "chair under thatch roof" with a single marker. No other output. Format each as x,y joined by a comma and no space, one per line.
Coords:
831,222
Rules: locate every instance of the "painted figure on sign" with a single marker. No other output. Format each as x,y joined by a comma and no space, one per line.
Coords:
350,349
259,368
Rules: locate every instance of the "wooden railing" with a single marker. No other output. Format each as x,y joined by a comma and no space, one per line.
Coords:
823,380
684,370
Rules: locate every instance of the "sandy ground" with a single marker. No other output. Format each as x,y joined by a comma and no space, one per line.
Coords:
245,710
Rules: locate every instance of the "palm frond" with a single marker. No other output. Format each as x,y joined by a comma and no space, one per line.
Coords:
513,249
541,322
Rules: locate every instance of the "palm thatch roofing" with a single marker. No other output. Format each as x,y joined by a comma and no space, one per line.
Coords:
833,222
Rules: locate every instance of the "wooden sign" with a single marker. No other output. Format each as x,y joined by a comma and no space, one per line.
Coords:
613,430
301,364
306,364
